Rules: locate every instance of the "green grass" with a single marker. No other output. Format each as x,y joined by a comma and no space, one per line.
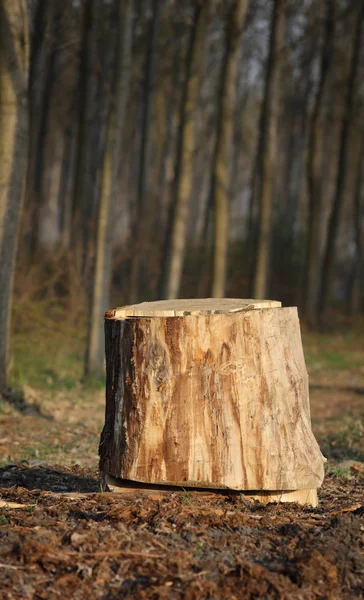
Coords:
335,351
198,550
347,442
339,470
186,497
39,366
48,353
338,361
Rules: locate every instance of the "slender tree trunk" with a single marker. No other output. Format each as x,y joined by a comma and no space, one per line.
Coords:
171,110
142,169
86,85
174,252
49,230
357,274
14,124
334,220
64,192
314,174
224,142
110,190
41,79
268,148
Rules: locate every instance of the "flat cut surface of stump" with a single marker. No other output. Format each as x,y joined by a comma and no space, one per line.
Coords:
183,308
215,397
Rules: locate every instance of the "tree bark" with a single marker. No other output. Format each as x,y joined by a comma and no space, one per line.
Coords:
41,80
192,400
224,142
14,124
357,275
267,148
65,188
110,190
334,220
173,258
139,232
81,188
314,174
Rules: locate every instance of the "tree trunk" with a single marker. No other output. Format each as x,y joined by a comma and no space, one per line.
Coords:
168,140
357,274
193,400
139,233
268,148
223,145
81,189
334,220
14,124
41,79
65,187
174,252
40,112
110,190
314,175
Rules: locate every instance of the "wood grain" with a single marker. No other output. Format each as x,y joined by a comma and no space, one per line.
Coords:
213,400
182,308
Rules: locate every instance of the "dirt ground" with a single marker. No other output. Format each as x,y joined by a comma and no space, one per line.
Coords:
62,537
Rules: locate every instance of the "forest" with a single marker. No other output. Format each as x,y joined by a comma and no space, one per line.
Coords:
181,149
158,149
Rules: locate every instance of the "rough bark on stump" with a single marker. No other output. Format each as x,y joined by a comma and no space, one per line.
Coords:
211,399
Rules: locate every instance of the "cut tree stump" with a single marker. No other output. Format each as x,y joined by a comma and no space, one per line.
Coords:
209,394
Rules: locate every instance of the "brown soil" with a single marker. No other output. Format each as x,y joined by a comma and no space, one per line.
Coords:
60,537
181,545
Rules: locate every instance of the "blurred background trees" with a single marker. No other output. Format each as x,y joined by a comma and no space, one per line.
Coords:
183,148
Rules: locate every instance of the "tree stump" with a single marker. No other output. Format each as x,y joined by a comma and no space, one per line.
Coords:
210,394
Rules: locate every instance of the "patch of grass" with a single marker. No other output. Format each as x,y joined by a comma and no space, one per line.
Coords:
3,520
39,367
334,351
346,443
339,470
198,550
331,359
51,357
186,498
47,345
94,383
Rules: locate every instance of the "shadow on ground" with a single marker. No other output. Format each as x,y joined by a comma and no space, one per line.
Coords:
47,478
18,400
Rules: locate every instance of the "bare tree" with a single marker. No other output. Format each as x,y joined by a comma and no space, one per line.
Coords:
223,145
314,172
86,87
177,227
14,124
142,168
356,277
267,148
110,191
42,76
334,220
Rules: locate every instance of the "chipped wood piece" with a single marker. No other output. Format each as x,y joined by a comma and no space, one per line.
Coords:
183,308
212,400
304,497
8,504
155,492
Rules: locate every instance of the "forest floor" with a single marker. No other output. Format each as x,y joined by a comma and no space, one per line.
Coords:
62,537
